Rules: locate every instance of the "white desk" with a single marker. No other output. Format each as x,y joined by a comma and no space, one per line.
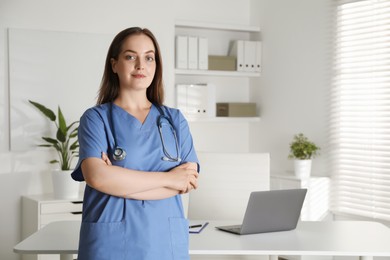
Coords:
339,238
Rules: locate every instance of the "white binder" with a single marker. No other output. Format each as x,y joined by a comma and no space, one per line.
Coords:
196,100
237,50
192,52
258,56
203,53
181,52
249,56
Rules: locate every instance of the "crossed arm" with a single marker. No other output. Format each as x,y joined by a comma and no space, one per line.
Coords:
101,175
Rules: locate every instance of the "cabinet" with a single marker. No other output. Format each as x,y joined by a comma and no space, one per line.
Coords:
230,86
39,210
316,203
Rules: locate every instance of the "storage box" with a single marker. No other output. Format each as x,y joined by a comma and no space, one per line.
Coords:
222,63
236,109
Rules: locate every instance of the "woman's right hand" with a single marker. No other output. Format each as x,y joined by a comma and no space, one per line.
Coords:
184,177
106,159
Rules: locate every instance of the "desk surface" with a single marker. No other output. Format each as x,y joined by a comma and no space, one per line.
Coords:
342,238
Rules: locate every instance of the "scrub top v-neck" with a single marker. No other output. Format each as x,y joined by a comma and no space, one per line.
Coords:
119,228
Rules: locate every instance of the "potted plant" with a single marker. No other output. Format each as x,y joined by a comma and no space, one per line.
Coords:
302,151
66,144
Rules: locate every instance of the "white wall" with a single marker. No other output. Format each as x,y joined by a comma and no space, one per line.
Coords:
292,91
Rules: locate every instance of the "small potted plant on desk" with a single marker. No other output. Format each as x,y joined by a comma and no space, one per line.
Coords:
66,144
302,151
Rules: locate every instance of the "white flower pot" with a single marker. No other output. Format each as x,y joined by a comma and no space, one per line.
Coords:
302,168
64,187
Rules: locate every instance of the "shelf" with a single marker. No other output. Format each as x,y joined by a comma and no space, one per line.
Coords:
224,119
217,73
217,26
221,36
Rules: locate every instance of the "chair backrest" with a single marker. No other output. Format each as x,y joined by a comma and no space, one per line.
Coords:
225,183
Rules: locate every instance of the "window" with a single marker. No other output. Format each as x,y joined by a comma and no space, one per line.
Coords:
360,109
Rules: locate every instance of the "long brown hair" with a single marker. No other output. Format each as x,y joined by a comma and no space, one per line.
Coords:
109,87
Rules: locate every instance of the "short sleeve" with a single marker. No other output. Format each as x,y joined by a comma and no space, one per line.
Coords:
188,153
92,139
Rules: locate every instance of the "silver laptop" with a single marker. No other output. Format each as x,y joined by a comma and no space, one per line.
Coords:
270,211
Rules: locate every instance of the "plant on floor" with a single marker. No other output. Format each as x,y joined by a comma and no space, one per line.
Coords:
302,149
65,142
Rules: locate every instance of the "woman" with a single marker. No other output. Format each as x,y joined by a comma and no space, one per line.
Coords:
136,157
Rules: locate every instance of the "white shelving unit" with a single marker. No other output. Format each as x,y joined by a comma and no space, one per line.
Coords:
218,73
217,26
224,119
219,35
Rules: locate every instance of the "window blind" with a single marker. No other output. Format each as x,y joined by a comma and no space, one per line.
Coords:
360,109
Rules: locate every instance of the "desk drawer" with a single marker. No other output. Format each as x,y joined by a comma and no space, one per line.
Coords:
46,219
61,207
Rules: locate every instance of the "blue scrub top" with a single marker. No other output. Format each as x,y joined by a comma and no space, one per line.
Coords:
119,228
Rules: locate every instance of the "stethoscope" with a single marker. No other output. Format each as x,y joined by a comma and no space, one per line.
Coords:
119,153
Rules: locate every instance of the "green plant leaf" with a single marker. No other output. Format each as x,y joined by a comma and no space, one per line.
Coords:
301,148
61,136
57,146
72,124
45,145
62,123
50,140
46,111
74,146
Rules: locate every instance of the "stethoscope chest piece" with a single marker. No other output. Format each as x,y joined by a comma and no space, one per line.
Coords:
119,154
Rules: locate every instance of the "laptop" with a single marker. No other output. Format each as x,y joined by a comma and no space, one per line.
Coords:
270,211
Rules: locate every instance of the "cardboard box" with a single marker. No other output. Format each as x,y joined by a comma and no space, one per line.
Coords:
222,63
236,109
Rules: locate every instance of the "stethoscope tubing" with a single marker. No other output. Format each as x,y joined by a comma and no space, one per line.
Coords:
167,156
119,153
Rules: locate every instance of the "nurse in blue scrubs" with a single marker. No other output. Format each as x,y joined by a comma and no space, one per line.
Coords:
137,157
